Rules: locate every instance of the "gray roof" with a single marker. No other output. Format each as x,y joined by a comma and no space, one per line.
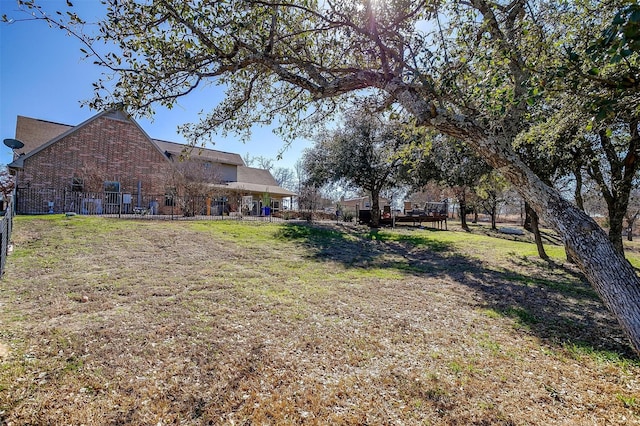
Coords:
195,152
258,180
258,176
259,188
34,132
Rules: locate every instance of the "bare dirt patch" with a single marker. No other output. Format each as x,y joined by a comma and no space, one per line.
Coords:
4,351
114,322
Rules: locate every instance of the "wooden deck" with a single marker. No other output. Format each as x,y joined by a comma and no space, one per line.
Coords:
430,213
439,221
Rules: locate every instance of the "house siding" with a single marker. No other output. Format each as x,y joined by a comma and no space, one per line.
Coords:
105,149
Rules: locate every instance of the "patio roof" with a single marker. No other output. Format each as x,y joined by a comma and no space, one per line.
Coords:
257,188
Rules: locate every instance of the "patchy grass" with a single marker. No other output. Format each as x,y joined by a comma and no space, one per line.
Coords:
105,321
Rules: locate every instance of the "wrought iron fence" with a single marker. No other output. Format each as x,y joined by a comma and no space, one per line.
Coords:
6,226
134,205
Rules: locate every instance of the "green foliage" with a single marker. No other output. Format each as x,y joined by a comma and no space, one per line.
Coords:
581,349
491,189
363,153
266,199
348,216
620,40
450,162
601,63
629,401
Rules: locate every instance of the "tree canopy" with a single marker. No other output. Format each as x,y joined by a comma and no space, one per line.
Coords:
450,162
365,153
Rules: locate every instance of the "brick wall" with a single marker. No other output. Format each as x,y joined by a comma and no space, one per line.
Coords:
108,148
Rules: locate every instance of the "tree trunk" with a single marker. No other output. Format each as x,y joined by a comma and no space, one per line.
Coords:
375,209
577,172
609,273
463,214
631,219
535,229
616,190
527,217
616,224
493,217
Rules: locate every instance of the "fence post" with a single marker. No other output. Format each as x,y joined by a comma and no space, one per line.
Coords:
3,246
6,227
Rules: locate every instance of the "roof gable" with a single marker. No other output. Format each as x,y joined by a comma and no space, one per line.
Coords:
37,134
113,114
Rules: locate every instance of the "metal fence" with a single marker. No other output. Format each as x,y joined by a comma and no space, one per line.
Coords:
134,205
49,201
6,226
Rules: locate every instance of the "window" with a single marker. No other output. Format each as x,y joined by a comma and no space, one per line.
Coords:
112,192
77,184
170,197
110,186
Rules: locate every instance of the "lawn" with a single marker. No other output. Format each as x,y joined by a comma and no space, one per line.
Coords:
107,321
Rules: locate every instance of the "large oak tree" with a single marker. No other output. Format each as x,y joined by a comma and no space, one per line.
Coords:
364,153
465,69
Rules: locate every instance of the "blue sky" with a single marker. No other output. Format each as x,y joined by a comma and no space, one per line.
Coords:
42,75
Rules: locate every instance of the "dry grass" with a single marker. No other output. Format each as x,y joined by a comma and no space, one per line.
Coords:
121,322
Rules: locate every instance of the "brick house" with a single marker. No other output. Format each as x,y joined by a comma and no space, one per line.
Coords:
108,164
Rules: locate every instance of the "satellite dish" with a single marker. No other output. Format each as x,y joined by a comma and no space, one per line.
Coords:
13,143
